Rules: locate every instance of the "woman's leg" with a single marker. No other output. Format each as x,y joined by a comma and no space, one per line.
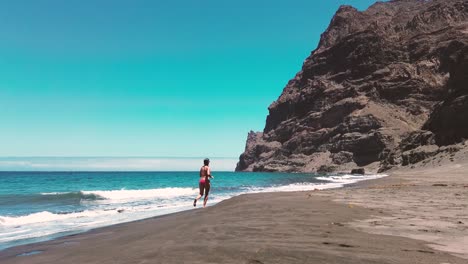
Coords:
207,191
201,186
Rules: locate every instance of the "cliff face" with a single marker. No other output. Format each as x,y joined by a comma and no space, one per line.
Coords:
382,86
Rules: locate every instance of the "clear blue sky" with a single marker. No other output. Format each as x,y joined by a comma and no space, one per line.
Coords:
147,78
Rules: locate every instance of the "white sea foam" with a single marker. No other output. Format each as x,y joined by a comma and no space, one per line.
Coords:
131,195
54,193
119,208
350,178
46,217
44,224
143,194
329,182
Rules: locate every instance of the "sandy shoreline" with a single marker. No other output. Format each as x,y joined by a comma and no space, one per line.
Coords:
413,216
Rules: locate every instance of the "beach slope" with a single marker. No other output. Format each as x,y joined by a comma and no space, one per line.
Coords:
410,217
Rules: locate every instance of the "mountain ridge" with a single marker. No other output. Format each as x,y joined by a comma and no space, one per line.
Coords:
376,92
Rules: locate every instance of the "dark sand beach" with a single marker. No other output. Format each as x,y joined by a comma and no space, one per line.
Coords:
412,216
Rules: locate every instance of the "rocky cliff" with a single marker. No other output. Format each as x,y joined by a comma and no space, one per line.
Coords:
385,87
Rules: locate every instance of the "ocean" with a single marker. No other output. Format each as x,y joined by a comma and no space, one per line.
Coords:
39,206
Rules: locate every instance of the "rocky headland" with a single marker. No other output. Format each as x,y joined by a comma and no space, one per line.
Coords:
386,87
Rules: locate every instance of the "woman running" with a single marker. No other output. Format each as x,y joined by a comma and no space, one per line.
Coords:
204,183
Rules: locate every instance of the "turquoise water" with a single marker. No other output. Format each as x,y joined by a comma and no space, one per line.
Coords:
36,206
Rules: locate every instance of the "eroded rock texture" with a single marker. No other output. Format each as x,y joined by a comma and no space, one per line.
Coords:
385,87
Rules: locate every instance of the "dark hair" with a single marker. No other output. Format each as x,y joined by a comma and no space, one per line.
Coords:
206,161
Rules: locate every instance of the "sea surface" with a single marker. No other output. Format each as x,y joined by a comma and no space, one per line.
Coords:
38,206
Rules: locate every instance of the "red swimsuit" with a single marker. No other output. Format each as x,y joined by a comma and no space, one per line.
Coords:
204,183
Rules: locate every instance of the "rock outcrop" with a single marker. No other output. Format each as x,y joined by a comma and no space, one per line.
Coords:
385,87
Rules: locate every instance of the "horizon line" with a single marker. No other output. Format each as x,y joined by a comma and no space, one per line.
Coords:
45,171
160,157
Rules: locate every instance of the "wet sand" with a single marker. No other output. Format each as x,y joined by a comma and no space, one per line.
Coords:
412,216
